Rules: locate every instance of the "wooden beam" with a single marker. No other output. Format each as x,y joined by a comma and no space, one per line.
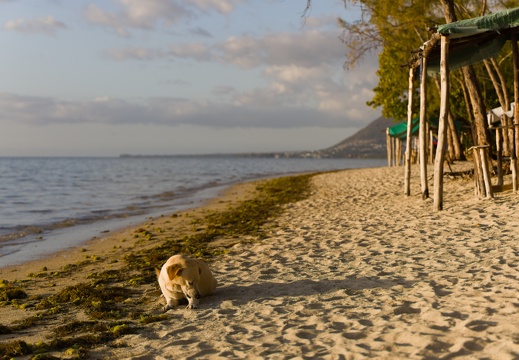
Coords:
407,177
444,113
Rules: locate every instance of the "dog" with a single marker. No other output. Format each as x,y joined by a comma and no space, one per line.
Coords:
184,278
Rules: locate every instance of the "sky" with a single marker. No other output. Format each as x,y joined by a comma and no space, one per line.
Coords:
107,77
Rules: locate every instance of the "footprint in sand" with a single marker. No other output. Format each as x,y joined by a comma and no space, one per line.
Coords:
480,325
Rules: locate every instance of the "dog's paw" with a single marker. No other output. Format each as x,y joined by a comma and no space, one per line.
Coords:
192,306
166,307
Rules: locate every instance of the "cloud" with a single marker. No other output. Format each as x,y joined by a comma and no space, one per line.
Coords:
45,25
166,111
223,90
221,6
315,22
309,48
152,14
305,86
135,53
198,31
304,49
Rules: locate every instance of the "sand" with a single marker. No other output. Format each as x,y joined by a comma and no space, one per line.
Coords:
355,271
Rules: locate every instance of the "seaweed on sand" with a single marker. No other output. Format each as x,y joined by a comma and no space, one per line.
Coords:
111,295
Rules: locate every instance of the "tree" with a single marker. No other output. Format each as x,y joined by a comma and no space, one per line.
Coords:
394,29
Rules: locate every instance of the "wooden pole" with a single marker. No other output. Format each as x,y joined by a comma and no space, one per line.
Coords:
505,122
499,151
478,176
388,148
393,151
431,147
396,153
483,156
513,160
400,143
423,131
407,178
444,112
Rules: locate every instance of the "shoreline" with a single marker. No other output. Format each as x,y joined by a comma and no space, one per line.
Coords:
123,236
355,270
39,246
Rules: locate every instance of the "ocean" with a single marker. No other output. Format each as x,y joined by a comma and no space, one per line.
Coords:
51,204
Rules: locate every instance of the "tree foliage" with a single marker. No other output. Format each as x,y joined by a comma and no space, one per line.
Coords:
393,29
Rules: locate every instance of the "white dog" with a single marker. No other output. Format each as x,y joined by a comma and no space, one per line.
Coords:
182,277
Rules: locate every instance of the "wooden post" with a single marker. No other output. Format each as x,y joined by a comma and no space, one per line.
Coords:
388,148
398,150
423,131
482,181
398,144
513,166
486,171
431,147
513,160
499,151
393,155
444,112
407,178
506,135
478,177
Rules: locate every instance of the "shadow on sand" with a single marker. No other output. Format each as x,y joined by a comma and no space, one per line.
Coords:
241,294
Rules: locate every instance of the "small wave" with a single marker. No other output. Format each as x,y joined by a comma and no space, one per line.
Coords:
17,232
39,211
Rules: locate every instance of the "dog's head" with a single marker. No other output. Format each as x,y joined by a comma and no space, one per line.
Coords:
187,277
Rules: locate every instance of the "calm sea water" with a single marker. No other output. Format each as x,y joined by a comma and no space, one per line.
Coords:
49,204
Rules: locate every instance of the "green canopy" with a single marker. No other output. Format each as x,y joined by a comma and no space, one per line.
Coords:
476,39
505,19
400,130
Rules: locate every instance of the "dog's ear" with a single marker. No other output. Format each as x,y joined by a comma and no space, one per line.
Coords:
174,270
157,271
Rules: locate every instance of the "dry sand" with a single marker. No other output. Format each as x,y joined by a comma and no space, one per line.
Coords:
356,271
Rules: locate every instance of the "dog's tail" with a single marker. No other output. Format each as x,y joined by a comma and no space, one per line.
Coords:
157,271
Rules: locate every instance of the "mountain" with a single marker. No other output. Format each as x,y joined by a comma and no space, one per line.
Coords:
369,142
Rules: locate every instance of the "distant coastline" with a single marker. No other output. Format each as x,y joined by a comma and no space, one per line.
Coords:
277,155
280,155
367,143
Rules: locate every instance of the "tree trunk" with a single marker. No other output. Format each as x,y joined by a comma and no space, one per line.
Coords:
455,148
503,82
450,146
478,106
497,84
454,142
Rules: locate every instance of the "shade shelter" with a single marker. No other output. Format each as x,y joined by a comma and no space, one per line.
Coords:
398,133
459,44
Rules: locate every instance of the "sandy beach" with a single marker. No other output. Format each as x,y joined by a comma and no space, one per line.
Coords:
355,271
